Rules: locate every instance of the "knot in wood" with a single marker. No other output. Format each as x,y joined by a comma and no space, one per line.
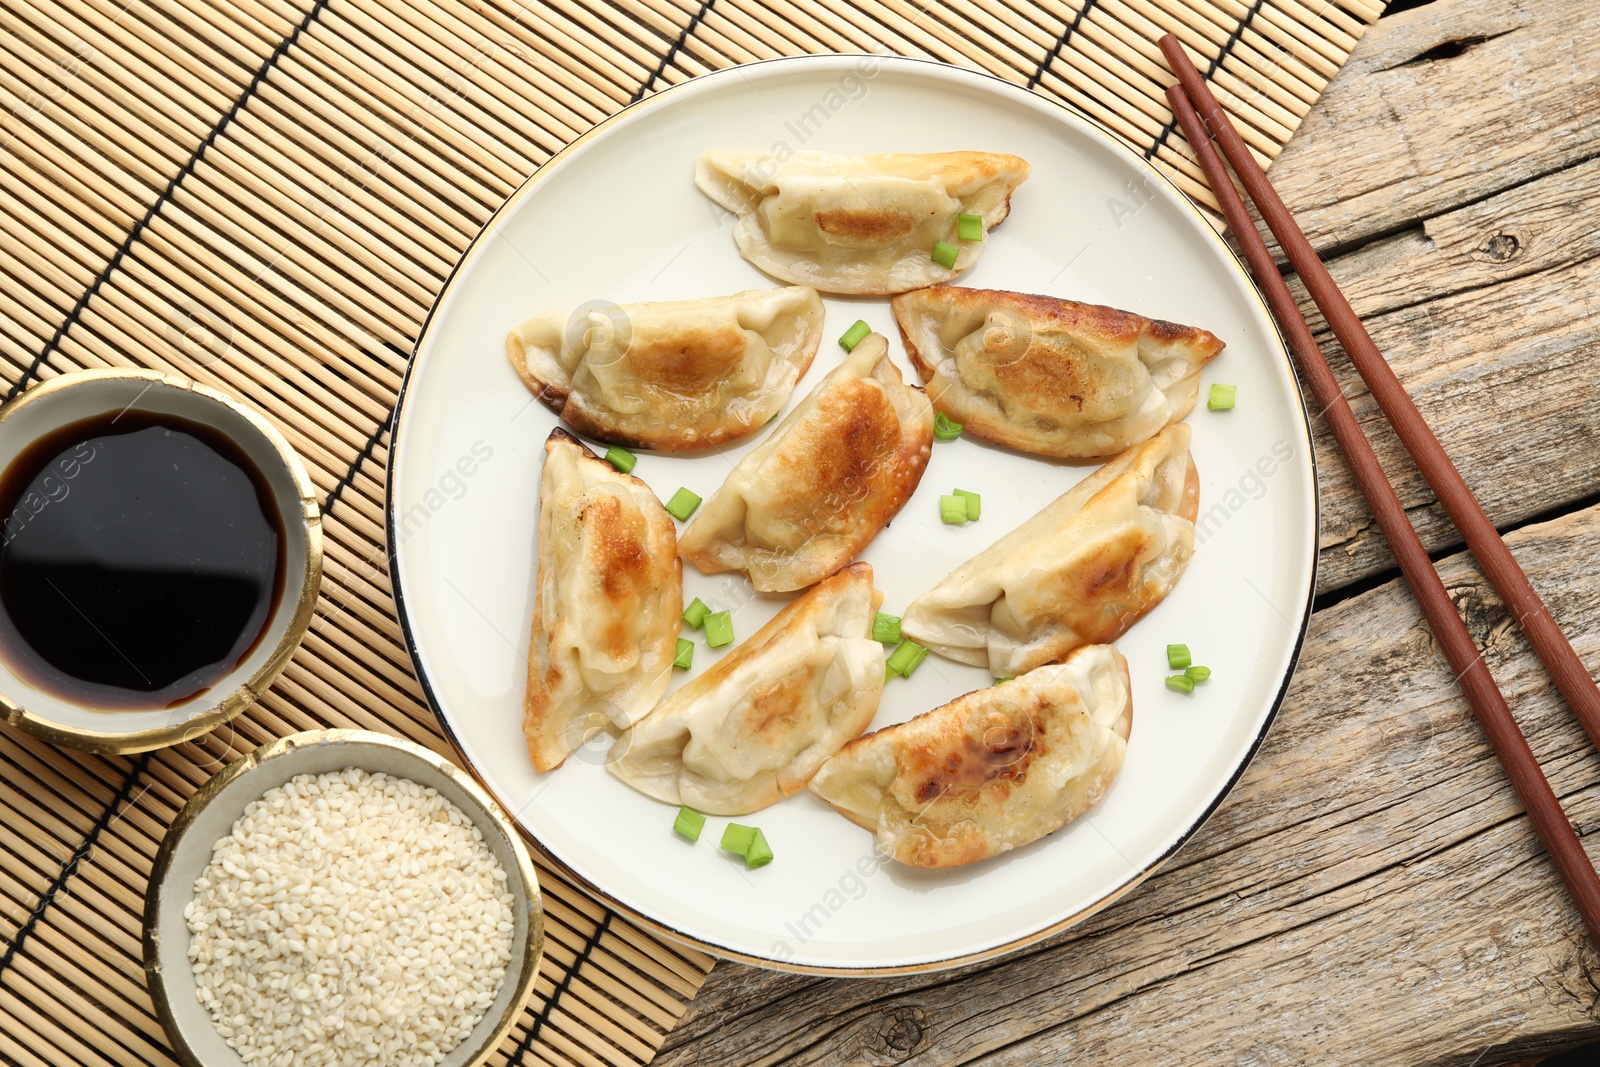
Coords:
1501,248
903,1029
893,1036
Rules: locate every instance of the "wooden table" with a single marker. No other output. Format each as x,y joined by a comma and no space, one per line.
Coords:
1371,891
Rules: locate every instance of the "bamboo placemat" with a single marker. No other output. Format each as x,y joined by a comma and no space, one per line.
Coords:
265,195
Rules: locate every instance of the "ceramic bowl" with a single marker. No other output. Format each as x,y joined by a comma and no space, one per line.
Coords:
209,816
89,394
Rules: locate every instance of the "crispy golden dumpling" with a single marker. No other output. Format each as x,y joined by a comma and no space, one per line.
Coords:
754,728
858,224
990,771
606,610
1051,376
831,476
1080,572
674,375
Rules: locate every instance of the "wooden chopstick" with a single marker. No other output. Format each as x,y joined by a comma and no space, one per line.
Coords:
1487,702
1501,568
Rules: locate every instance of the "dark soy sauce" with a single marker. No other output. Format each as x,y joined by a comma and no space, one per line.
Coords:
141,557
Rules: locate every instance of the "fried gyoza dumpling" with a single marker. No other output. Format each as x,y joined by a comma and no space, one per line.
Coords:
606,611
831,476
859,224
992,770
1051,376
674,375
755,727
1080,572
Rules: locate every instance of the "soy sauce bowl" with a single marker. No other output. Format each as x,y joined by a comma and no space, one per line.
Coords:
78,396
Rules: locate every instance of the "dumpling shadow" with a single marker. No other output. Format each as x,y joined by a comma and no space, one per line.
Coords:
929,879
1083,466
933,879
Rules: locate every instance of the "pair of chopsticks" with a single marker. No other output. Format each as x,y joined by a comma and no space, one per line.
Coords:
1551,645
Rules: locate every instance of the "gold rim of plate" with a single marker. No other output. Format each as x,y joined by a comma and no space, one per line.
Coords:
1093,128
533,954
230,704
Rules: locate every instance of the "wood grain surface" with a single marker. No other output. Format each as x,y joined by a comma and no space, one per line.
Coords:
1370,893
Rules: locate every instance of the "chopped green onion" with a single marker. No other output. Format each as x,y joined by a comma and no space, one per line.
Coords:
719,629
759,853
1198,674
953,509
959,507
969,227
621,459
682,505
737,838
886,628
888,672
945,428
685,657
1178,657
1222,397
906,657
945,254
689,823
1181,682
997,681
854,335
695,614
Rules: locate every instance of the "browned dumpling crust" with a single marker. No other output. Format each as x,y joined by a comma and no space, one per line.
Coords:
754,728
859,224
607,605
990,771
1051,376
672,375
1080,572
831,476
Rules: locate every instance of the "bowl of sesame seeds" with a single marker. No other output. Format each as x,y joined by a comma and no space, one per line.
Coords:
340,897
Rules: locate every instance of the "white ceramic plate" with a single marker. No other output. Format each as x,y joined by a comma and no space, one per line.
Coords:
617,217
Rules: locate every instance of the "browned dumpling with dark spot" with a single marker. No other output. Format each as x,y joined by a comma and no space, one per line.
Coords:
755,727
1080,572
607,605
1051,376
822,486
859,224
990,771
673,375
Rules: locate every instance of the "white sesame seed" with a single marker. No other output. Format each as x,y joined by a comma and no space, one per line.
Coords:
349,918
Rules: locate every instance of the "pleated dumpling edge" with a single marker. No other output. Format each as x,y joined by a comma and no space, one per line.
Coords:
860,224
607,602
829,477
1051,376
1080,572
672,375
990,771
755,727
